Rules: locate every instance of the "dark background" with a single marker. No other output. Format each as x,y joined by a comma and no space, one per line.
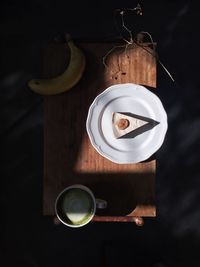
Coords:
28,238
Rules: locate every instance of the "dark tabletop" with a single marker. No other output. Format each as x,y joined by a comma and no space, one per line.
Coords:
30,239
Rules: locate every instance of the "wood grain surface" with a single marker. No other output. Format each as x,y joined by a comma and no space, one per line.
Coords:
69,158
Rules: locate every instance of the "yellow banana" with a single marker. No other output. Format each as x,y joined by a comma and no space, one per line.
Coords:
67,79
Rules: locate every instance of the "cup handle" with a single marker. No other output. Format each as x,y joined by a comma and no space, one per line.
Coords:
100,203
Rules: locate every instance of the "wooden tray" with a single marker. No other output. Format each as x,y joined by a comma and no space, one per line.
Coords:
69,157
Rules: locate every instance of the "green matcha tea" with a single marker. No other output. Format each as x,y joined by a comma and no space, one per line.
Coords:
77,206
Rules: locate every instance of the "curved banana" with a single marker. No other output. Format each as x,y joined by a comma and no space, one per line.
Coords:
67,79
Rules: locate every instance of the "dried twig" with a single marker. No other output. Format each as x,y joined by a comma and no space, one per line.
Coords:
126,28
155,54
121,12
132,40
110,51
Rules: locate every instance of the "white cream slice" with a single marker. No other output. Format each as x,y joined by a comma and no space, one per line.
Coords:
133,124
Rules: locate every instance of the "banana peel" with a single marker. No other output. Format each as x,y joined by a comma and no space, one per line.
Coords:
65,81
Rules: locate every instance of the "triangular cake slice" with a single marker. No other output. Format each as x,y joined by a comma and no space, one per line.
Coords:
124,124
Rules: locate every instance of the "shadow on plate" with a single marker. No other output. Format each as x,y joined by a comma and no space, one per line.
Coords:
147,127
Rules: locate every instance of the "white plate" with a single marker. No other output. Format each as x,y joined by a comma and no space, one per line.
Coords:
131,98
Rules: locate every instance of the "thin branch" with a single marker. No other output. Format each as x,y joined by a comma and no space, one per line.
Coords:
126,28
125,40
110,51
166,70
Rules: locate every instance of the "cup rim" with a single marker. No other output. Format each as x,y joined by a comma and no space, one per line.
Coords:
83,187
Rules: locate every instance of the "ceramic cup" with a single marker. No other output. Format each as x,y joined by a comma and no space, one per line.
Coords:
76,205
